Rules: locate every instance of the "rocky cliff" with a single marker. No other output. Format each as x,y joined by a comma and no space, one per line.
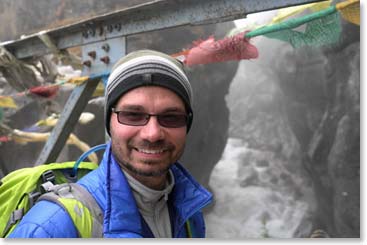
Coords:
303,105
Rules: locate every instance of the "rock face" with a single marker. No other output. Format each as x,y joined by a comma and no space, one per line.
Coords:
331,152
270,162
304,105
343,160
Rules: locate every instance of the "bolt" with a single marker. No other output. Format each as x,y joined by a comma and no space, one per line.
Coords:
106,47
87,63
92,54
109,28
85,34
105,59
92,32
118,26
101,30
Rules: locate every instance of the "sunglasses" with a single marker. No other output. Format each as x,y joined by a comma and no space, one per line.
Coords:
168,120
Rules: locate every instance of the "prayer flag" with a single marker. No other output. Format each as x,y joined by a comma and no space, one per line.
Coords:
208,51
285,13
8,102
4,138
45,91
78,80
350,11
321,28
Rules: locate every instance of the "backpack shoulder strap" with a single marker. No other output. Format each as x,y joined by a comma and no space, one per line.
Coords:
83,209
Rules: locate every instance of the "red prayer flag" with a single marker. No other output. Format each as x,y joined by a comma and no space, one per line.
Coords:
4,138
45,91
208,51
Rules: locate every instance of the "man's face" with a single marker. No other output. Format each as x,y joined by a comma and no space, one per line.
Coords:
148,150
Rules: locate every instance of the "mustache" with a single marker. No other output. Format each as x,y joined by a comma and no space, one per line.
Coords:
160,144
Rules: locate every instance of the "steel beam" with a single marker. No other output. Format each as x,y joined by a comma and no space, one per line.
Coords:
146,17
75,105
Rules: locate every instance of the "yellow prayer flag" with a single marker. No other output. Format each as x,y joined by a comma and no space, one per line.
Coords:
78,80
49,121
350,10
6,101
290,11
99,90
315,7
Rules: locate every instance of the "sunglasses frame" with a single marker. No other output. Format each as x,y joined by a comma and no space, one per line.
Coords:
147,117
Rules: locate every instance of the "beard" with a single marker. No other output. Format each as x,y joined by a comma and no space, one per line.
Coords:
122,155
131,168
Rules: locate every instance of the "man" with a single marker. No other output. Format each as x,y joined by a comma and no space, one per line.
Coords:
141,188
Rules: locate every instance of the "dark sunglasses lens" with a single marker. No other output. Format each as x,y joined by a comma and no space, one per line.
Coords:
132,118
172,121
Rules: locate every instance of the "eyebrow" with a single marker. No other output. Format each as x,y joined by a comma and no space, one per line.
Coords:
173,109
131,107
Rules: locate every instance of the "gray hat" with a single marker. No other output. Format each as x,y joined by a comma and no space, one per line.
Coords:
147,68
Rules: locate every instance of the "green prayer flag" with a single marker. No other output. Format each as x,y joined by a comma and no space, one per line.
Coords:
321,28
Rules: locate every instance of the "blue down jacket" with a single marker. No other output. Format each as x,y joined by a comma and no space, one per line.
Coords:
122,219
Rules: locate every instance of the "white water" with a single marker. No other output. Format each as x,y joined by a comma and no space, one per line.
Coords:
263,208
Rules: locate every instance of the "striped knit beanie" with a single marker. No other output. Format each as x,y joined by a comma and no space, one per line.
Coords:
147,68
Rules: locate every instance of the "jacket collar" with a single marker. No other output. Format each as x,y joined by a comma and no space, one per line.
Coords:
122,217
187,197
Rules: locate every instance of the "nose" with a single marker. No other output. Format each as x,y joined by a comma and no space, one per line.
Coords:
152,131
